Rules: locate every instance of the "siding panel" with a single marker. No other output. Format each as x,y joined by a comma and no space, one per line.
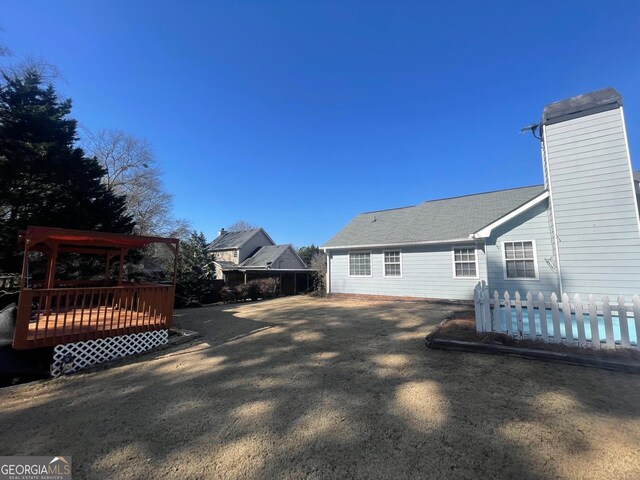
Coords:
595,205
427,272
531,225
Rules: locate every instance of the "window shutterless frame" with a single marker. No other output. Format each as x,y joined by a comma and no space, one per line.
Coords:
384,263
453,262
359,252
504,260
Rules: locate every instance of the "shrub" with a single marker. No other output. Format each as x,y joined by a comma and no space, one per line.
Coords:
267,287
228,294
242,291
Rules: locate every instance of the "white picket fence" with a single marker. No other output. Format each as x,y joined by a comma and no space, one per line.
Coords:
575,322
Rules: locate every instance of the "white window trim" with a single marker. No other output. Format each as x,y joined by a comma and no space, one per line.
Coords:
453,262
384,270
504,260
349,264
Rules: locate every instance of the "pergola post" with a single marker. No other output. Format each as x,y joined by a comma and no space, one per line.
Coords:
106,268
121,267
52,263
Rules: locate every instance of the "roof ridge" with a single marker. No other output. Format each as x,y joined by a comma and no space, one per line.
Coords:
388,209
451,198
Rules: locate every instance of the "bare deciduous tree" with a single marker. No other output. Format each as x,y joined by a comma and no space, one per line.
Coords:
319,264
241,226
133,171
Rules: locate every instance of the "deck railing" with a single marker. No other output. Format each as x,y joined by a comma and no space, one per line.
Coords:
48,317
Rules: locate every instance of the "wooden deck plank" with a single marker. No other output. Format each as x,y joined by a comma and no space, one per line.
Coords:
89,321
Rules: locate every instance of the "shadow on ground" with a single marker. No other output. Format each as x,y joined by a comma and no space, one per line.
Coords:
329,389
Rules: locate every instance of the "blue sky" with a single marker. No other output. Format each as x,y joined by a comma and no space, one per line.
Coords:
297,115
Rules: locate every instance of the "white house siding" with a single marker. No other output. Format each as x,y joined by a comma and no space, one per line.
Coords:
531,225
594,205
258,240
288,260
427,272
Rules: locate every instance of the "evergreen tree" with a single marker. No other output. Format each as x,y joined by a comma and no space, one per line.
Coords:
196,272
307,253
44,179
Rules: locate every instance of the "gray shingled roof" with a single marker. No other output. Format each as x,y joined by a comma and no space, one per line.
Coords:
636,176
432,221
232,239
225,265
263,255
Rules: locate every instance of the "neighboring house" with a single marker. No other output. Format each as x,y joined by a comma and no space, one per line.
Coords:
577,233
242,256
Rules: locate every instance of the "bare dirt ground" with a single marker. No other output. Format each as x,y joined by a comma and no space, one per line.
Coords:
328,389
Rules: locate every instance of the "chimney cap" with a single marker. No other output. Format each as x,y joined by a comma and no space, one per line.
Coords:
581,106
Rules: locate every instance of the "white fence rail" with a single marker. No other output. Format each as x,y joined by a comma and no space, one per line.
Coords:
587,323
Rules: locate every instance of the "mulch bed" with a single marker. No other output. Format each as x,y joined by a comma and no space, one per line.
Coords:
459,333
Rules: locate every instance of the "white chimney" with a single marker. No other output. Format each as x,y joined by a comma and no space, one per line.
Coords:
221,232
592,195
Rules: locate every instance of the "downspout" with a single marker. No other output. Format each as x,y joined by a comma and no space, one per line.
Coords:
545,156
328,279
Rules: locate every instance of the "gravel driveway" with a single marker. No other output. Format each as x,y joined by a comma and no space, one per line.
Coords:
314,388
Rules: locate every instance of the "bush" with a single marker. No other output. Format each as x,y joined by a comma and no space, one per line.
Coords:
252,290
267,287
228,294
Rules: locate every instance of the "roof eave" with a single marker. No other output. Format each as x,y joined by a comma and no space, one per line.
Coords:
399,244
485,232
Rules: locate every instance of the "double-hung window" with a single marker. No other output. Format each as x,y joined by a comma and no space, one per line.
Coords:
392,263
360,264
465,263
519,260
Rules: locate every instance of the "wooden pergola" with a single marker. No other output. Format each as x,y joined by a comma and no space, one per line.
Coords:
53,312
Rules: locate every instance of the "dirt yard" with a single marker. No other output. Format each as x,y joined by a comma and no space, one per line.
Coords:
314,388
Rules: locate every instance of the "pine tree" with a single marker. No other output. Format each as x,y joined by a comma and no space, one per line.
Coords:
196,271
44,179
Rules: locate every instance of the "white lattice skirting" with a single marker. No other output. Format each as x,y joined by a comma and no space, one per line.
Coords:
72,357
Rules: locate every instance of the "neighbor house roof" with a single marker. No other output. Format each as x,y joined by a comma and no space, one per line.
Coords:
230,240
449,219
264,255
225,265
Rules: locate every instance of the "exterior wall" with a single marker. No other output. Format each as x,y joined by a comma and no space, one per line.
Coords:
427,272
258,240
288,260
596,216
226,255
531,225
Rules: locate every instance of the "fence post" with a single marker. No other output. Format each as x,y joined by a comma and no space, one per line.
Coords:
531,316
622,320
555,317
636,318
507,313
608,321
477,302
542,310
566,313
519,321
593,320
579,320
497,326
486,306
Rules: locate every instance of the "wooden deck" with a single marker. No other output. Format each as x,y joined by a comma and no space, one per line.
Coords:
83,324
49,317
